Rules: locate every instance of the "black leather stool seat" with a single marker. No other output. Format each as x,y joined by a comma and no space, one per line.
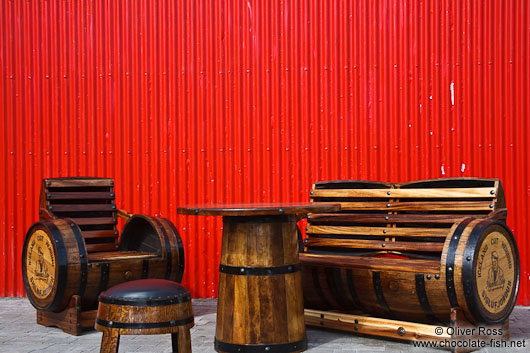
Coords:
145,307
146,292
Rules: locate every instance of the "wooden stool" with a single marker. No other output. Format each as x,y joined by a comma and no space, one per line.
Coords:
145,307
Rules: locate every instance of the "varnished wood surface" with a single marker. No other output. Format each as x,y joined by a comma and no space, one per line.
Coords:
91,234
86,195
374,263
463,191
45,215
374,244
181,341
260,309
110,256
81,199
431,193
145,314
374,184
416,206
124,214
410,331
94,221
161,315
71,320
83,208
78,181
110,342
101,247
362,324
379,231
341,270
257,209
386,218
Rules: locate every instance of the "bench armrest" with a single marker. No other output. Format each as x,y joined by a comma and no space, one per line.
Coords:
501,214
124,214
46,215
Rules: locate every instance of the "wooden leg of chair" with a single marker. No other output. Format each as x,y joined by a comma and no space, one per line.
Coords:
110,341
181,340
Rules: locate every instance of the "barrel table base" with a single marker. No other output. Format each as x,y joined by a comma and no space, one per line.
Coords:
260,289
265,348
261,305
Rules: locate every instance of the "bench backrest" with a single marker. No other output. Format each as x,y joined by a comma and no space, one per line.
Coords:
89,202
410,219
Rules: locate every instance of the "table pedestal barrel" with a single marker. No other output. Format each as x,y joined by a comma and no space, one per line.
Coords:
260,306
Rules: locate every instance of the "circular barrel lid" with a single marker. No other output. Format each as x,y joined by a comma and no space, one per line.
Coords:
494,269
39,266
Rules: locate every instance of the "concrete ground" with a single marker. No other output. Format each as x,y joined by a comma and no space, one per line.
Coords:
20,333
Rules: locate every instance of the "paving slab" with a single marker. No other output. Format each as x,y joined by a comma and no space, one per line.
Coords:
20,334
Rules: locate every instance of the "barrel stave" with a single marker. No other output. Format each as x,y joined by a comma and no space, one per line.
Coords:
458,262
295,306
177,250
74,272
94,276
400,295
437,296
392,294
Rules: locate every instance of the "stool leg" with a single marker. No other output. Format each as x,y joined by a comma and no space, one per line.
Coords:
110,341
181,340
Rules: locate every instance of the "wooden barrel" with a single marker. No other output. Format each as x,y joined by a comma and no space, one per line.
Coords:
155,235
260,295
56,264
478,272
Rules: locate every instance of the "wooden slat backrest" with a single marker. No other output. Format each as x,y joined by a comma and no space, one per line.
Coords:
89,202
411,218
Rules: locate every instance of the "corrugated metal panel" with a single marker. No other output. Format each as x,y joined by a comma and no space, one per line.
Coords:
223,101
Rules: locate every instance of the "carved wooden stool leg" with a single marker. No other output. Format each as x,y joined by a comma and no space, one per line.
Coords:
110,341
181,340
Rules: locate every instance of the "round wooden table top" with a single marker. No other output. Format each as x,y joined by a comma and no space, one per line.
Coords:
258,209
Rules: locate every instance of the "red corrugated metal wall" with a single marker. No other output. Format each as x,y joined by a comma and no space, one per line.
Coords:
237,101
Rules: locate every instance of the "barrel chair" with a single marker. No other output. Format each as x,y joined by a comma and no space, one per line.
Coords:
75,252
433,252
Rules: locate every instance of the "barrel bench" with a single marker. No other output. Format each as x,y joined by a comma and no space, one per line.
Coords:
72,254
425,252
145,307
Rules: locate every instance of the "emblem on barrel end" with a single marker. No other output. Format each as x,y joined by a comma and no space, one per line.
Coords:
41,268
495,272
40,264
